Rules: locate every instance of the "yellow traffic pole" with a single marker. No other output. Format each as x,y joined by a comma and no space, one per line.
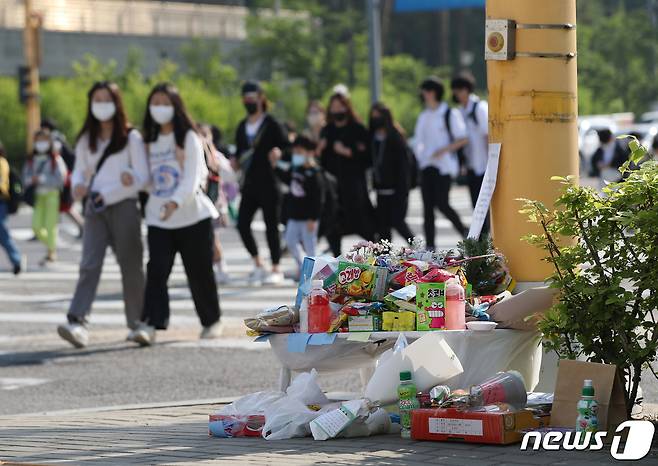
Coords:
533,109
31,51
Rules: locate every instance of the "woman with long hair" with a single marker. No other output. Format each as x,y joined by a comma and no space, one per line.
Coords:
110,170
344,153
391,172
44,174
260,140
179,215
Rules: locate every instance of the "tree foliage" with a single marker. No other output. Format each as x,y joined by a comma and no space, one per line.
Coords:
604,249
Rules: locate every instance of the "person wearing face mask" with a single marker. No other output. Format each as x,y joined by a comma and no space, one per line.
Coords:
179,215
475,113
391,172
440,131
44,175
110,169
315,120
344,153
306,199
260,141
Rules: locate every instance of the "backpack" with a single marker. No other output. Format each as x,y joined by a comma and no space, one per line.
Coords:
414,171
460,152
15,191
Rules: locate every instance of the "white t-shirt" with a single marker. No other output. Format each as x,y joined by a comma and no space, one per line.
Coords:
131,159
477,150
178,176
431,135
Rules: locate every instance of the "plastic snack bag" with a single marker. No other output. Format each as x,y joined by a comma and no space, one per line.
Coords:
361,280
273,317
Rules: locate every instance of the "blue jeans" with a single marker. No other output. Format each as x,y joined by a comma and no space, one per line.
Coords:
5,240
297,233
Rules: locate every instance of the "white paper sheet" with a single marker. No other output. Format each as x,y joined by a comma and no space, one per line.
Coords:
486,192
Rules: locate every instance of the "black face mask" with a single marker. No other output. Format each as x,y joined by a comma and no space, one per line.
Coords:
339,116
251,107
377,122
455,99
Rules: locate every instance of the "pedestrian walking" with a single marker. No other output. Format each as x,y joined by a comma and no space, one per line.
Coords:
260,141
344,153
475,113
110,170
179,215
67,204
391,172
316,118
440,131
608,158
218,197
307,194
44,175
6,241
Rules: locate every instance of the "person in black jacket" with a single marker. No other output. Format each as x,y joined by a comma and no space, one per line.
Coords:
344,154
391,172
306,199
260,140
610,154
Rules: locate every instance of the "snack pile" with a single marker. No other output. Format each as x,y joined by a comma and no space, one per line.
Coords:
381,287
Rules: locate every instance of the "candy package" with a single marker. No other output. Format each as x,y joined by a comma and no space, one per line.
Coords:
361,280
431,306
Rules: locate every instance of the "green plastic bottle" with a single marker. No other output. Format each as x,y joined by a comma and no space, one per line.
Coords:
588,410
408,401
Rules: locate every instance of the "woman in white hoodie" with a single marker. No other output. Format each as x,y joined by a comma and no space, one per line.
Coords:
179,215
110,170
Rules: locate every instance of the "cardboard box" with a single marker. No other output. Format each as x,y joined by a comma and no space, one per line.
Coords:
369,323
227,426
451,424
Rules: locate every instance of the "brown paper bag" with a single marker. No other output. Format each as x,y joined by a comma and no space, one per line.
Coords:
608,388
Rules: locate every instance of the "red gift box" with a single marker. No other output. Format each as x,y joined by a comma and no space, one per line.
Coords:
451,424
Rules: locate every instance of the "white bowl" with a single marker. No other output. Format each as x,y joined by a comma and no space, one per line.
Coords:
481,326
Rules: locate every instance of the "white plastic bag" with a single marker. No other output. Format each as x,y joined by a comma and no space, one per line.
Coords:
430,359
288,418
383,384
305,388
255,403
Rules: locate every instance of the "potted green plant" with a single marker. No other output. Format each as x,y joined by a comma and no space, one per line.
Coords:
604,250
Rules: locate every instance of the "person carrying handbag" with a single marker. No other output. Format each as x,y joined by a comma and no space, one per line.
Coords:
110,170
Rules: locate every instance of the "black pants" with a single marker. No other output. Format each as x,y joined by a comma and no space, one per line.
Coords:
195,244
435,189
474,186
270,202
391,214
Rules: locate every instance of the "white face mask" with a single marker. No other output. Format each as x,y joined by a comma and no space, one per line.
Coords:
162,114
103,111
42,147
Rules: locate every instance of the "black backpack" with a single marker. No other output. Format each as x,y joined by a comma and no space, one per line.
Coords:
460,152
15,191
414,171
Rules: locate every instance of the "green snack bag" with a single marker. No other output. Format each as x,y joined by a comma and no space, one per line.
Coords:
361,280
430,306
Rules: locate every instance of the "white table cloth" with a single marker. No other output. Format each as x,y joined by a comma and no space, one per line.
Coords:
481,354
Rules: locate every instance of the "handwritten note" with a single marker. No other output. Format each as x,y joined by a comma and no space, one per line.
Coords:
486,192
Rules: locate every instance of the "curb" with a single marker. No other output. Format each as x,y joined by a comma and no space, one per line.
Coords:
131,407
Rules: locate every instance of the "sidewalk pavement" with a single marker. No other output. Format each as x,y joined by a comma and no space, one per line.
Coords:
178,435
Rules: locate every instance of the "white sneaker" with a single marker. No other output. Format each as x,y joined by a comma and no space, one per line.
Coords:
212,332
144,335
257,275
221,277
274,278
75,334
